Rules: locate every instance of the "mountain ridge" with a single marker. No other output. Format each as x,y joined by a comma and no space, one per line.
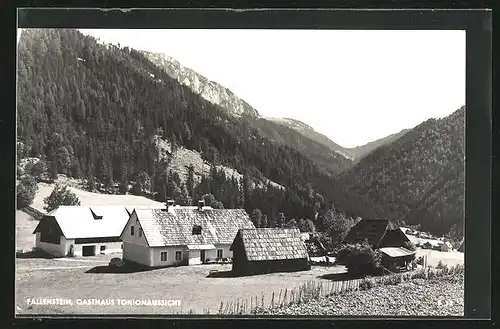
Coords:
328,155
208,89
360,151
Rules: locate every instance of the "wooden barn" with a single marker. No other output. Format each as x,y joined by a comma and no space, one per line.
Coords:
387,238
378,232
181,235
264,250
81,230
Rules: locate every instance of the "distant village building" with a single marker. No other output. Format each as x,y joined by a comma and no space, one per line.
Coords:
313,245
461,248
378,232
177,235
264,250
81,230
446,246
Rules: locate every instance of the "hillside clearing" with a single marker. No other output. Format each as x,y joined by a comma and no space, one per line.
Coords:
93,199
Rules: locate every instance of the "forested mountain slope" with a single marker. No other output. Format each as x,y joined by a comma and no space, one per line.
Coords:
209,90
419,177
330,160
100,112
309,132
359,152
94,111
323,152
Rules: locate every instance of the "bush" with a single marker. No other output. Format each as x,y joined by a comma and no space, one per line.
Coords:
25,192
440,265
366,284
410,246
38,170
60,196
418,274
362,260
392,279
343,253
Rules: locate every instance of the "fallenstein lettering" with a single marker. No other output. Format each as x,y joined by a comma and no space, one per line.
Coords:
49,301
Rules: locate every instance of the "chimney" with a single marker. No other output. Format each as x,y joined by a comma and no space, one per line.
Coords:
169,204
201,204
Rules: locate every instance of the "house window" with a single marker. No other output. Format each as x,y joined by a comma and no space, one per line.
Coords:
163,256
219,253
140,232
178,256
131,230
196,230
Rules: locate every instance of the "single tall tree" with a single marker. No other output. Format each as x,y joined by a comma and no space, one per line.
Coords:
61,196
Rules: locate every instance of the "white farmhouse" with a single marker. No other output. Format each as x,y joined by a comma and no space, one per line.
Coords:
81,230
178,235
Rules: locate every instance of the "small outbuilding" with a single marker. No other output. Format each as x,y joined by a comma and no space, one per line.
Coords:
264,250
446,246
396,258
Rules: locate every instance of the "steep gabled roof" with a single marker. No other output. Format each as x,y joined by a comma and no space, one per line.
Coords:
372,230
89,221
272,244
175,226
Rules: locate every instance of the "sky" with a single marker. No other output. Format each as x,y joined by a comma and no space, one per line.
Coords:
353,86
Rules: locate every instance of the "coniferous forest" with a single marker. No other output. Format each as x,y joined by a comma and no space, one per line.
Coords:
90,111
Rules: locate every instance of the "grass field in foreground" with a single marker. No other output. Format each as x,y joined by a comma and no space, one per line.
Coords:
189,284
25,225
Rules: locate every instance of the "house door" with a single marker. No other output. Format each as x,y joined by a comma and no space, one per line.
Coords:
88,251
202,256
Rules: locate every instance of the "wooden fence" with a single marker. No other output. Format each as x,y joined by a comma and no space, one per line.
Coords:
317,289
307,291
36,214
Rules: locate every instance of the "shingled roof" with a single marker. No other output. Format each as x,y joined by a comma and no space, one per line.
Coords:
272,244
372,230
175,227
